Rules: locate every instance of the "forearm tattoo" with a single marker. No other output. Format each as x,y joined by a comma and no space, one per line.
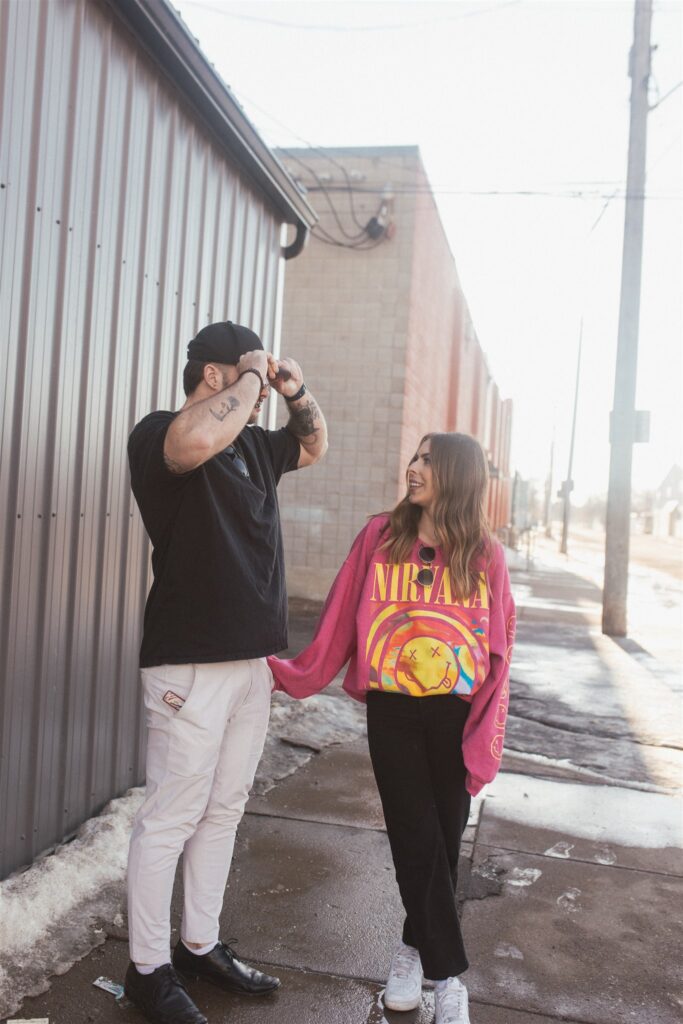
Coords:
304,420
228,405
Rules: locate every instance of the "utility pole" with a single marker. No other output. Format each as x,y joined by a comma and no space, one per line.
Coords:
548,517
568,485
625,422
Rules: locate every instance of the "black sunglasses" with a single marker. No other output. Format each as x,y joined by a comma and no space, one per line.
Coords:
240,464
425,577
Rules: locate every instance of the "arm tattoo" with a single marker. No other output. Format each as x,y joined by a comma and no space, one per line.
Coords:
227,405
303,421
171,465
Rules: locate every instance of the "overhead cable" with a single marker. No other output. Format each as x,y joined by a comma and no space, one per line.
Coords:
320,27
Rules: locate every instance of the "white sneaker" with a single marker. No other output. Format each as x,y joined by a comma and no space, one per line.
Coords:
404,984
450,1001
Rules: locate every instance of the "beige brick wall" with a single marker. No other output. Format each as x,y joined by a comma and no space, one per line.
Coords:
435,328
386,345
345,318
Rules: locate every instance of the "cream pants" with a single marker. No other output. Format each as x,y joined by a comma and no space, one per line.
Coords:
201,762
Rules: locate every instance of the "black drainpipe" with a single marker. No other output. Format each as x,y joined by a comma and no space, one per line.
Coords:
295,247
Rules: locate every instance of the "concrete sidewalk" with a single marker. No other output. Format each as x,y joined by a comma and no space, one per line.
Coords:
570,885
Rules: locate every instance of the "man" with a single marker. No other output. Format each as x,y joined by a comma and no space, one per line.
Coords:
205,480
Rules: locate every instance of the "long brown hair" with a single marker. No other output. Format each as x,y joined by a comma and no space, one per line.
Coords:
460,475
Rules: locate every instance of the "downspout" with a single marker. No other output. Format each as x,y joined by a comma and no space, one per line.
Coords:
295,247
287,252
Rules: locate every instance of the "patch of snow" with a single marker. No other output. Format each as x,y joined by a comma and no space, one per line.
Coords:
561,849
476,806
317,721
523,876
603,814
25,1020
76,871
587,773
504,949
605,856
299,729
568,901
51,914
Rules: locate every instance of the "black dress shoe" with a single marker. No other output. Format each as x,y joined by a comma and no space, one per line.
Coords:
221,967
161,996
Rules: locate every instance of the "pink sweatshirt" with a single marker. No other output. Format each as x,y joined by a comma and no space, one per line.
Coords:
401,637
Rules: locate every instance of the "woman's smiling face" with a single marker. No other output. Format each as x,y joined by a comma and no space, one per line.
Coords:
420,479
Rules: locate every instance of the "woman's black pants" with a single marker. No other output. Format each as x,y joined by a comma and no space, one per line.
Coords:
416,751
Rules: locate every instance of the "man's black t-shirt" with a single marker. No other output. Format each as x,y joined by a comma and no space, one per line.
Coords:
219,589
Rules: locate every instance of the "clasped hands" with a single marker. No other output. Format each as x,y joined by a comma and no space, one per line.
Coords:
283,375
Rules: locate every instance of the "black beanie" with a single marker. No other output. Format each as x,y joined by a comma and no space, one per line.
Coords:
223,343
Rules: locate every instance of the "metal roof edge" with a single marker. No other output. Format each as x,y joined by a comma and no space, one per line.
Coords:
359,151
168,39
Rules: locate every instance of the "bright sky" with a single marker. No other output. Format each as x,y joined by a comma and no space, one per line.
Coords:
504,96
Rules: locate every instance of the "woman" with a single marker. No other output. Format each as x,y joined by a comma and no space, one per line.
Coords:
422,609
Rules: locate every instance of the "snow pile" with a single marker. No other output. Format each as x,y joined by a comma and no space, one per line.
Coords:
49,914
317,721
74,872
301,728
602,814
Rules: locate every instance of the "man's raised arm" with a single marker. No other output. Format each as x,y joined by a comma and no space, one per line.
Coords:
216,412
306,421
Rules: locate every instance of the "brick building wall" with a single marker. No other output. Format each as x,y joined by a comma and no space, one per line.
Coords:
387,346
434,328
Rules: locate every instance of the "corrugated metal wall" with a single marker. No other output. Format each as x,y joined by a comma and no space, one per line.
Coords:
123,228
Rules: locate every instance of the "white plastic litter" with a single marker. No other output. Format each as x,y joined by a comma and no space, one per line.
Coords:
109,986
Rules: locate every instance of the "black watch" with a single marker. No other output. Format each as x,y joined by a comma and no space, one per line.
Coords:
295,398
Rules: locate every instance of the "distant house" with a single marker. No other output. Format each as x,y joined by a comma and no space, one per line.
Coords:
666,517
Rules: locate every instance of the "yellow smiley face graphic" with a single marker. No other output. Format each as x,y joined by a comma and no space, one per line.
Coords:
426,665
425,653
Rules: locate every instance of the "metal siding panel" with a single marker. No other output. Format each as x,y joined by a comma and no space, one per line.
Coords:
205,244
228,252
273,281
122,229
65,39
235,257
258,275
226,206
248,259
17,614
10,240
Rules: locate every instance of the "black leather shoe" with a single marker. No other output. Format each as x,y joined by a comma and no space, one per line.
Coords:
221,967
161,996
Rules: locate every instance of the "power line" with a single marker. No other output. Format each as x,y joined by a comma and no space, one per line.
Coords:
437,190
359,246
569,192
242,98
322,188
666,95
277,23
